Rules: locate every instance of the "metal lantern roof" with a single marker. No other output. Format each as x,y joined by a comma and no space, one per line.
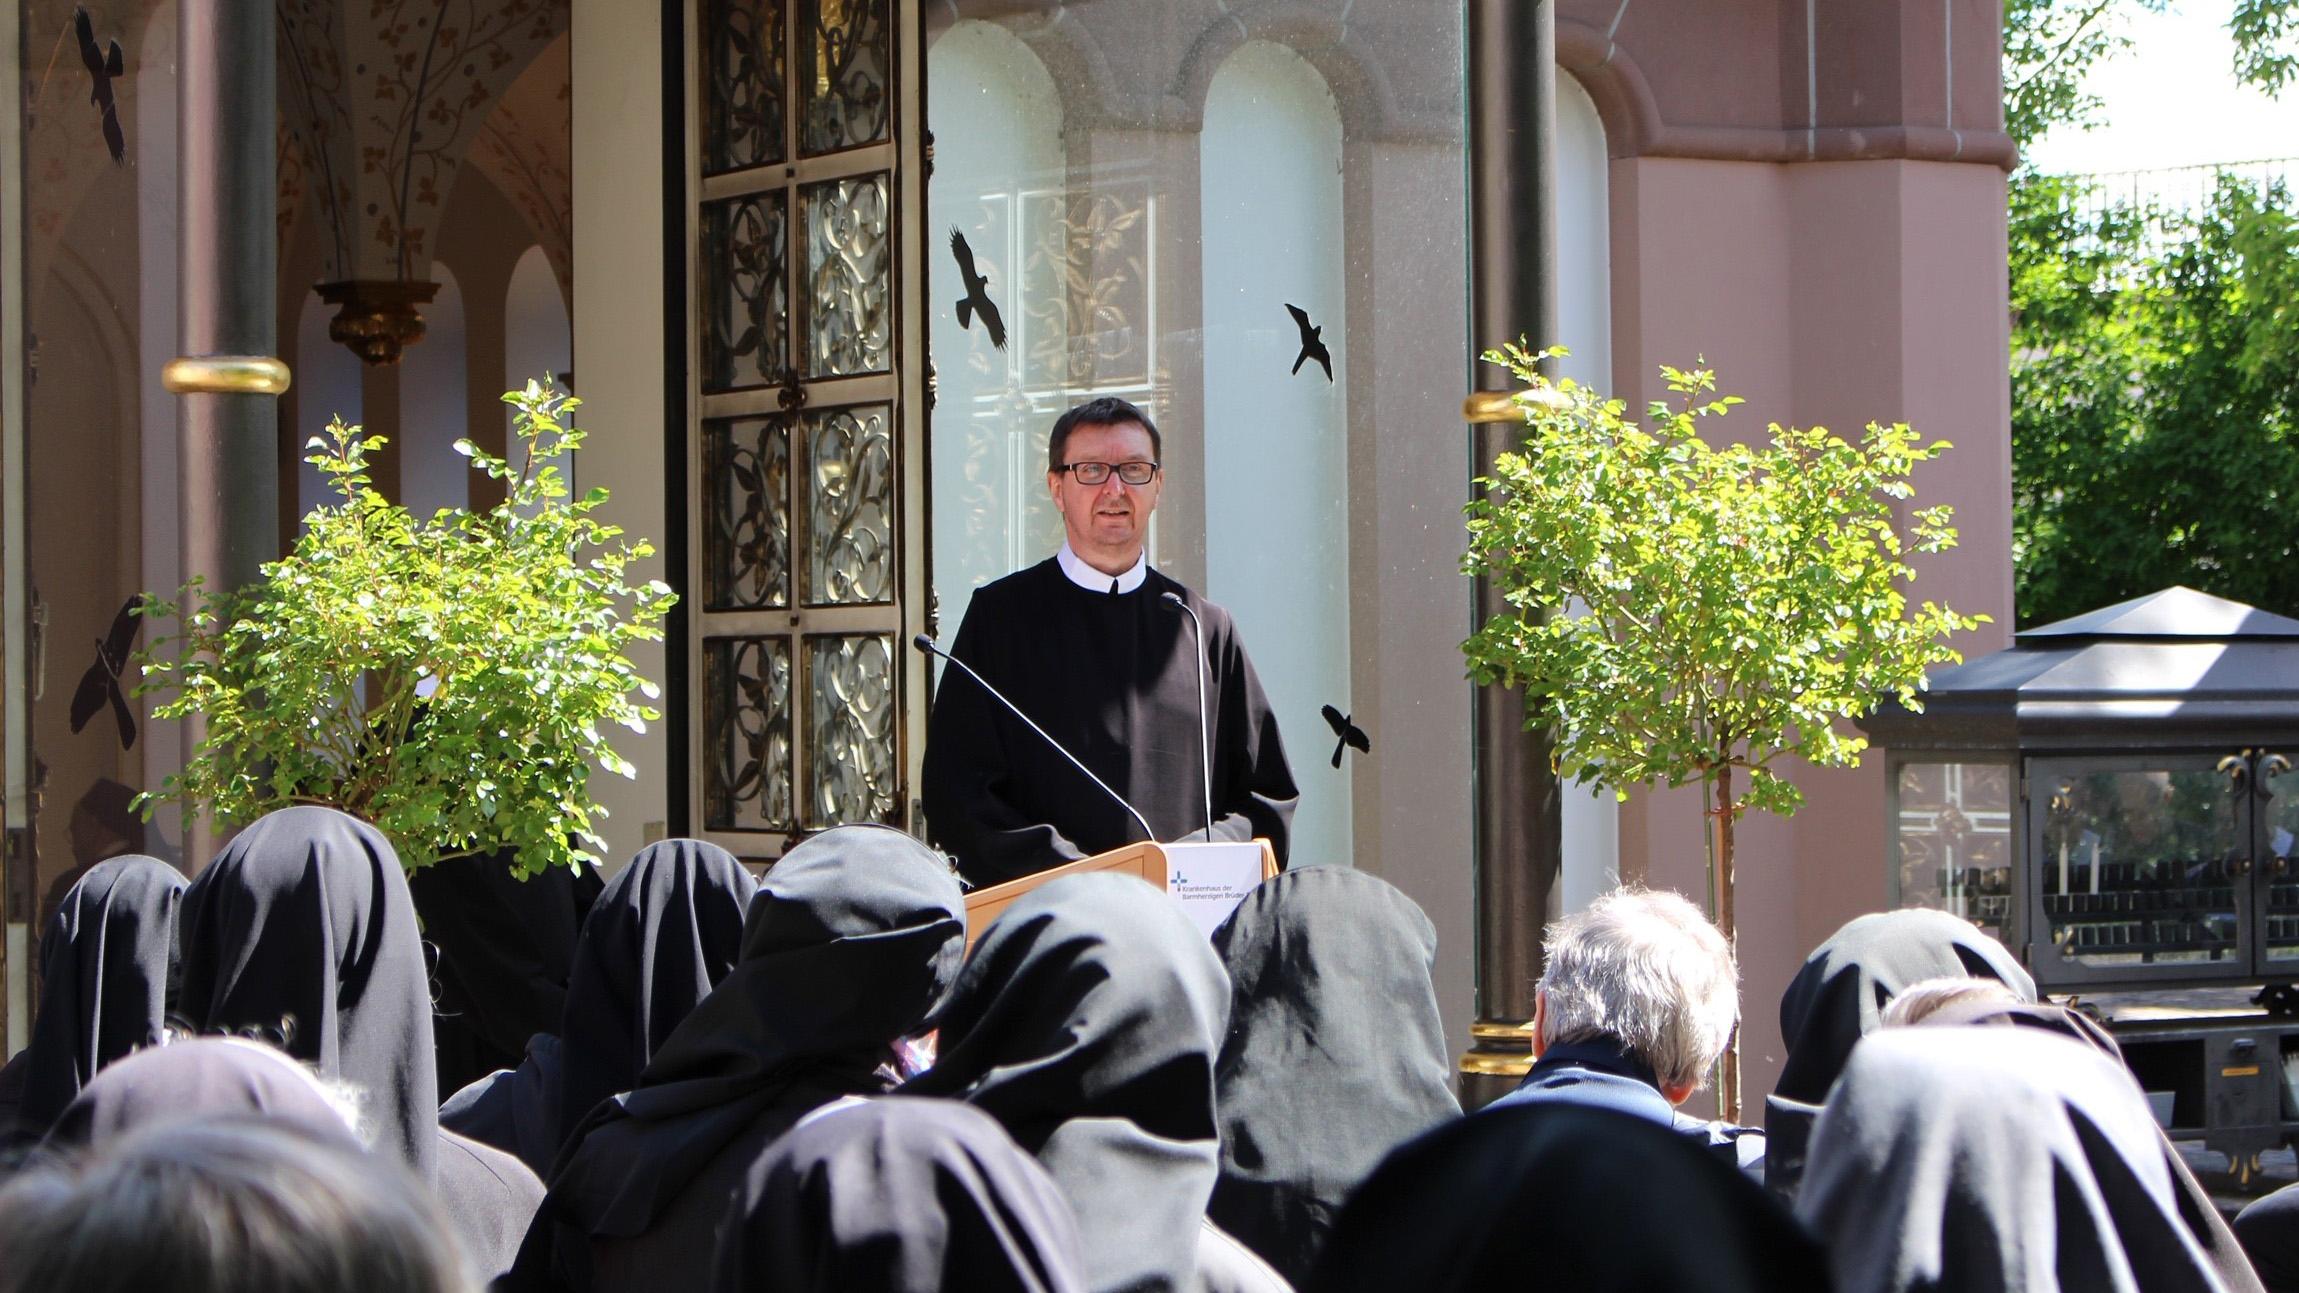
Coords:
2173,668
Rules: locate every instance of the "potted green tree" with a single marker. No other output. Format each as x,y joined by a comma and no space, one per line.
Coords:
1685,613
450,678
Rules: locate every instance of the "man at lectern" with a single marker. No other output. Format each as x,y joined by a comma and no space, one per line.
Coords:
1103,653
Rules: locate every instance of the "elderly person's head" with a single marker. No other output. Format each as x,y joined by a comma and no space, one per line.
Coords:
1647,970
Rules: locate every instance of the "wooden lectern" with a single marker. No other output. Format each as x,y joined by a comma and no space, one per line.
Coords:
1151,861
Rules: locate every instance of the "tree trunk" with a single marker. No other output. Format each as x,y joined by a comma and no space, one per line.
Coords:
1720,886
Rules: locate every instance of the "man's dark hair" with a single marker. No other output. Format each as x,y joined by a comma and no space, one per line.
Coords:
1107,411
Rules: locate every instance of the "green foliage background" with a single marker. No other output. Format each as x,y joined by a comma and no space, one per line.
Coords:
2153,388
448,679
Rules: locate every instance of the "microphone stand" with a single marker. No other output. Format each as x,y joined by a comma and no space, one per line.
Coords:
1204,736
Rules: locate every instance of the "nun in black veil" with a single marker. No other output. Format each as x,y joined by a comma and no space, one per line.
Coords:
1086,1022
105,964
1996,1160
665,930
899,1196
1335,1055
1559,1196
1839,997
303,927
854,937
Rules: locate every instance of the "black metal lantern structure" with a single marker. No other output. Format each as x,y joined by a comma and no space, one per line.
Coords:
2113,796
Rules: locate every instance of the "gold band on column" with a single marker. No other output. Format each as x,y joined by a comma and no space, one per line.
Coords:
225,375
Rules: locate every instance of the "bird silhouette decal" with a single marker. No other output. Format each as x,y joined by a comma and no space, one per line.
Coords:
104,67
1349,733
977,298
1312,344
102,681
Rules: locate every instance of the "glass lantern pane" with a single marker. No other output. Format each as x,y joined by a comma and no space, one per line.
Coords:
742,48
850,499
2281,830
1953,840
747,734
746,291
849,277
746,488
2136,865
851,764
846,59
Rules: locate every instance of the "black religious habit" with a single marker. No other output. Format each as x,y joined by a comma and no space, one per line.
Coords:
901,1196
1114,678
1335,1056
105,963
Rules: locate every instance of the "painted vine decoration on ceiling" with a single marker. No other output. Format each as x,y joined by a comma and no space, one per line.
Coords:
524,146
388,98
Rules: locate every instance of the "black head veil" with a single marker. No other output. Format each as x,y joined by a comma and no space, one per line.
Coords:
903,1196
105,962
1086,1021
1839,997
1564,1196
854,937
200,1078
1985,1159
666,929
305,917
1335,1055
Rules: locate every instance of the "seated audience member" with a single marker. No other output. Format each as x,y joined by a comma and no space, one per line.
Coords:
1557,1195
2269,1231
2196,1209
899,1195
1839,997
206,1079
854,937
664,932
106,960
1086,1022
303,926
1637,1002
220,1207
1976,1160
1335,1054
504,947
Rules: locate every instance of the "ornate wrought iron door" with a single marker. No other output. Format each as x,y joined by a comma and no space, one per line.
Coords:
806,569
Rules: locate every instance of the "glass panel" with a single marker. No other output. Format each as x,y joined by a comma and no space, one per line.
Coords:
742,104
1953,840
746,483
1147,246
849,277
2281,829
746,734
850,518
2134,865
845,60
850,730
745,291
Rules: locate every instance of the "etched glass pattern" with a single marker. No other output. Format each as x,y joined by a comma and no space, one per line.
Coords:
845,59
745,293
742,60
850,517
746,734
850,730
746,545
849,275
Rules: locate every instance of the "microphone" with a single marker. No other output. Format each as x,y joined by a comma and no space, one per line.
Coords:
1204,739
926,644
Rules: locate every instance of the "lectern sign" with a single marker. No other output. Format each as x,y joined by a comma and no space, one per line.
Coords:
1211,879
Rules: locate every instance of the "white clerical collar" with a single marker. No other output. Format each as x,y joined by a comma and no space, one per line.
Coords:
1094,581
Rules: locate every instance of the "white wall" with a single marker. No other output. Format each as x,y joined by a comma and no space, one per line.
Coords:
327,386
1584,316
1276,444
434,409
537,341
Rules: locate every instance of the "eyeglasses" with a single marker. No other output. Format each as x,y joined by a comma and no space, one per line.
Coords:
1095,473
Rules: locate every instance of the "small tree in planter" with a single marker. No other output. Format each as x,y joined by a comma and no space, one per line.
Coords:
447,679
1725,606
